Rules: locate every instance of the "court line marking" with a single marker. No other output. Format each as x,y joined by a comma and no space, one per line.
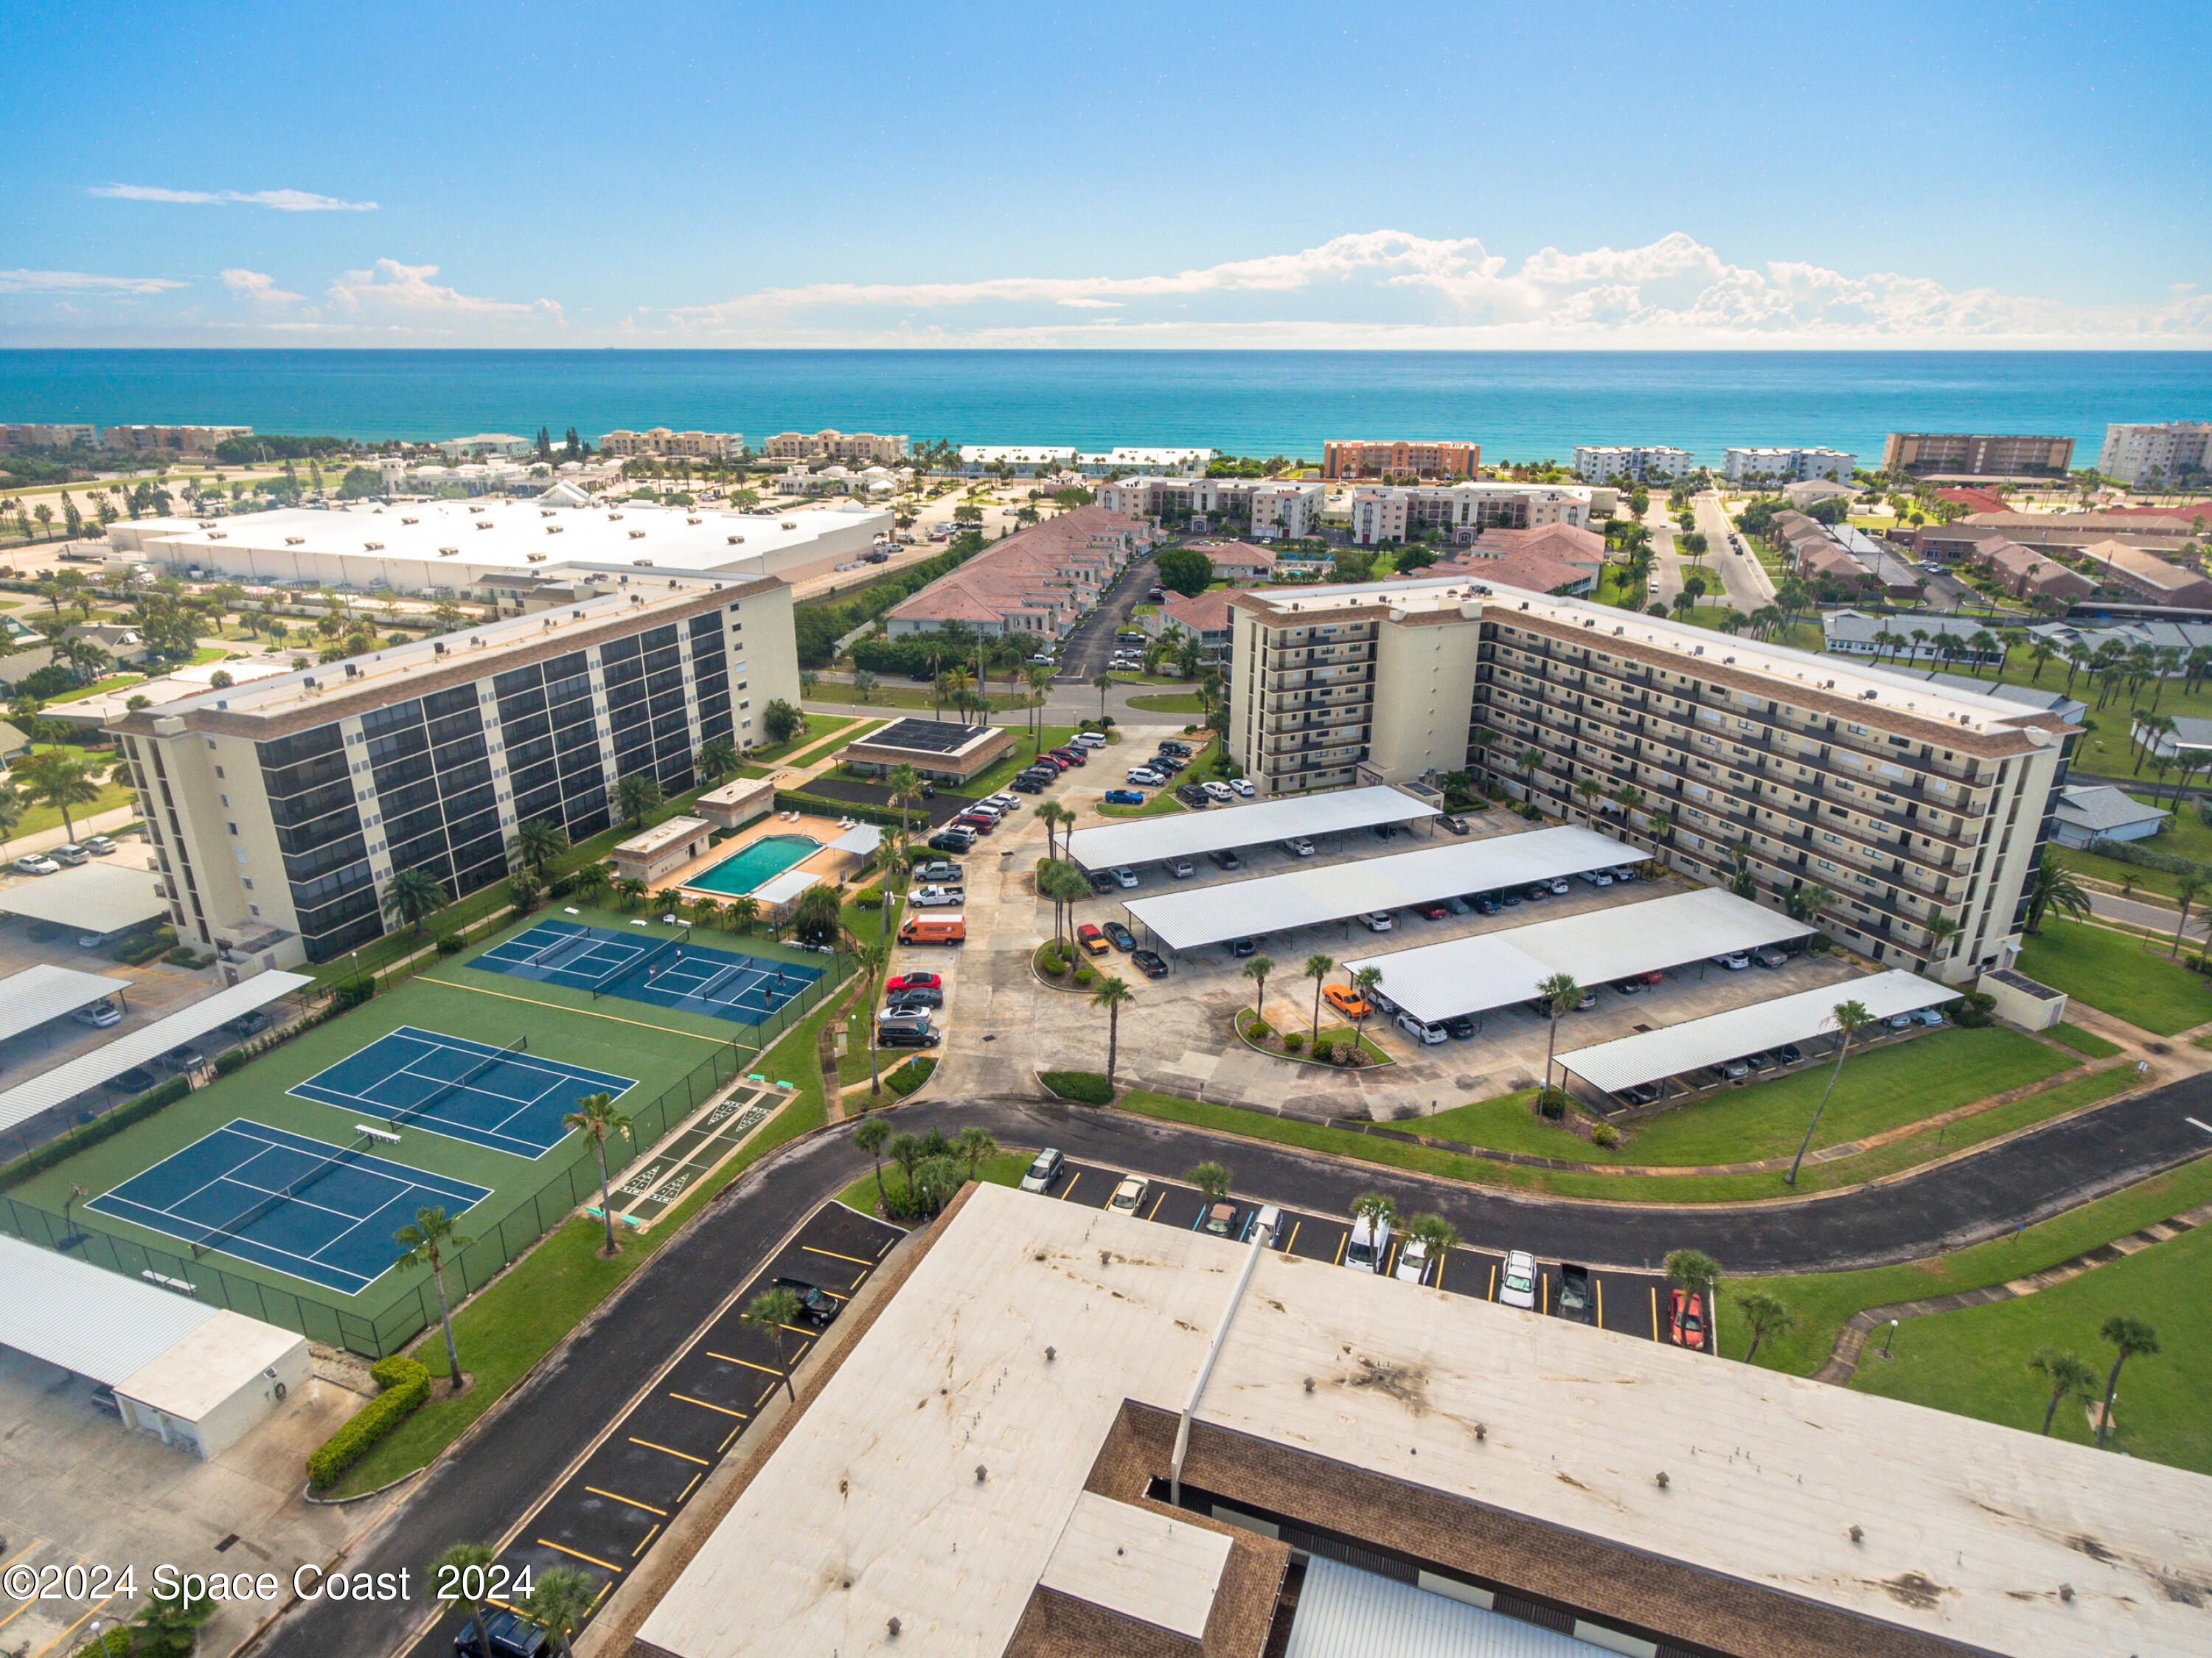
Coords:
618,1497
684,1455
648,1538
589,1559
585,1013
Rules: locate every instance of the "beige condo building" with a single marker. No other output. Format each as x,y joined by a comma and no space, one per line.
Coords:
829,444
1920,809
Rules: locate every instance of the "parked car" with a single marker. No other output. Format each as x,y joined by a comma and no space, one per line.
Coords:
916,982
1421,1031
1789,1054
1900,1022
1241,787
1044,1171
814,1306
1218,791
136,1080
1931,1017
1299,847
1026,784
1346,1000
939,872
1369,1246
99,1015
1091,939
1376,921
1119,937
251,1022
1685,1319
1629,986
1735,960
508,1634
1644,1093
981,822
1127,1195
1559,888
1089,740
1517,1284
1124,797
1241,947
1072,756
1182,869
1462,1025
1485,905
1414,1263
1218,1219
1598,877
1102,883
1265,1223
98,845
1431,912
924,1038
1456,907
1170,746
1125,876
1538,891
1145,776
71,853
33,863
952,840
1149,964
921,999
1453,823
1192,795
1731,1071
1767,956
1575,1300
1226,858
934,897
1508,900
184,1058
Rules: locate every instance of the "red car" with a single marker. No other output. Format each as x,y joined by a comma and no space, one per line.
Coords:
1431,912
916,982
1685,1319
977,821
1071,756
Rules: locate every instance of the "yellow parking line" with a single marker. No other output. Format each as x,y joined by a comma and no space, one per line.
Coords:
1156,1202
66,1633
1655,1312
1069,1192
729,1359
693,1486
703,1406
1390,1266
1441,1260
684,1456
28,1605
1544,1291
604,1565
618,1497
21,1553
1600,1303
1340,1243
1492,1294
835,1256
1293,1243
648,1538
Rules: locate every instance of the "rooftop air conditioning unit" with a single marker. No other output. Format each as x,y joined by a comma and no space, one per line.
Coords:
789,525
371,546
352,672
535,558
448,552
614,518
410,521
486,524
637,535
218,535
646,562
476,509
545,512
694,520
552,529
296,540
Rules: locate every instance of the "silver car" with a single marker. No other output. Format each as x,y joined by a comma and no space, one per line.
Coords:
1043,1172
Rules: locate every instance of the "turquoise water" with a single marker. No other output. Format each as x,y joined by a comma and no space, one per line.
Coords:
763,860
1518,405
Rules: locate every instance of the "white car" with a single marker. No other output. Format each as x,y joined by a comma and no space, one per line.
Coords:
1089,740
1598,877
1126,875
1145,776
1044,1171
1218,791
1559,888
1376,921
32,863
1369,1246
1736,961
934,898
99,1015
1517,1285
1127,1195
1004,804
1412,1265
1242,786
1299,847
1421,1031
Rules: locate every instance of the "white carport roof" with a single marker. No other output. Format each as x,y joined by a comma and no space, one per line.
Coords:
1307,898
96,1323
1180,834
31,997
1473,975
95,898
861,840
1613,1066
783,888
66,1082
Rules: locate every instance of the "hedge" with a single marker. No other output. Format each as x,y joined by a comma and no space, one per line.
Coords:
909,1077
2128,851
91,1134
1086,1088
406,1386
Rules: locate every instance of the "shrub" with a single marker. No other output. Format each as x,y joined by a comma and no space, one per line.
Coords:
353,993
1552,1104
1086,1088
1323,1048
910,1075
229,1060
871,900
404,1393
1973,1009
1819,944
90,1134
1293,1040
560,886
1083,975
1257,1029
1605,1134
449,944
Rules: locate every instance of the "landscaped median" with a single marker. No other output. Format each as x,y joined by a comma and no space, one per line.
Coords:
1339,1047
1062,966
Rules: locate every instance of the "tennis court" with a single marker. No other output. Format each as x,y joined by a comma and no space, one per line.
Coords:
509,1098
667,972
327,1214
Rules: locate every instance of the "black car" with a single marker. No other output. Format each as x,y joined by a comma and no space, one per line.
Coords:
1644,1093
136,1080
917,996
897,1039
1462,1025
1102,883
512,1637
1191,794
1026,784
1173,747
1240,947
1119,937
937,872
816,1308
250,1023
1384,831
1226,858
1149,964
953,840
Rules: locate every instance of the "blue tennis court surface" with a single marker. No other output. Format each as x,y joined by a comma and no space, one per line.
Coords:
745,990
509,1098
327,1214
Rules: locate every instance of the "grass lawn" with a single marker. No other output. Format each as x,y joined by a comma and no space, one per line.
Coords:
1159,806
841,732
98,687
1023,754
2120,974
819,727
1974,1361
1168,703
2083,1042
896,696
1005,1169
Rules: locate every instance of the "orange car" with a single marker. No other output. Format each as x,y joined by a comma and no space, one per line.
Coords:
1685,1319
1346,1000
1091,939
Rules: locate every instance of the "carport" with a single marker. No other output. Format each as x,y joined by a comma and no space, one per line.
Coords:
1187,834
99,898
1436,981
1311,898
1654,1056
31,997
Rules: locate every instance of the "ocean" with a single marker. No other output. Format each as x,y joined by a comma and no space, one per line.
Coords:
1519,405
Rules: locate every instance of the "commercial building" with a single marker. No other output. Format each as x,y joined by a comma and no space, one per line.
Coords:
2169,452
169,440
483,444
1601,465
939,751
1905,800
280,809
1064,1431
1396,458
659,442
1780,465
1975,455
454,545
1037,582
829,444
1462,512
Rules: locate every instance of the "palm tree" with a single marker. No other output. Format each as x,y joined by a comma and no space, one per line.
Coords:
411,897
1052,813
595,1114
1437,1237
2052,886
1663,831
1257,970
2129,1337
60,779
2186,886
1558,993
1377,1210
905,785
632,891
1940,931
872,959
744,913
2067,1373
465,1566
817,917
1364,985
559,1601
718,757
1588,791
593,881
768,1313
1102,683
1318,968
1764,1316
1850,1018
974,1148
1526,765
1064,885
1212,1181
427,1243
1112,995
537,843
1692,1269
871,1137
637,795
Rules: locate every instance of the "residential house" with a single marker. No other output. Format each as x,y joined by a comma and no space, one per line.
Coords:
2086,813
1807,490
1237,561
123,644
1854,633
1204,618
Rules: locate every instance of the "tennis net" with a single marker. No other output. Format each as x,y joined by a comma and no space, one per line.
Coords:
706,991
642,964
407,1113
253,1211
566,942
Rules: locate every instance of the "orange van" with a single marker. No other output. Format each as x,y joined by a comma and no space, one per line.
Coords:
934,929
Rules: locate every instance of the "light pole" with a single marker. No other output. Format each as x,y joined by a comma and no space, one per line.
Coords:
1889,1339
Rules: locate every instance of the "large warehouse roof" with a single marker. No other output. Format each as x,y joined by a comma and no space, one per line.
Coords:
1187,833
1679,1048
1307,898
66,1082
96,898
31,997
1491,970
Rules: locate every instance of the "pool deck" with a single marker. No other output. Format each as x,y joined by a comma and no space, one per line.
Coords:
832,867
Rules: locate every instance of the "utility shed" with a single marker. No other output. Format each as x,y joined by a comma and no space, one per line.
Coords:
195,1376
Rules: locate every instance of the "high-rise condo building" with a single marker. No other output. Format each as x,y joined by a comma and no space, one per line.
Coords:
1975,455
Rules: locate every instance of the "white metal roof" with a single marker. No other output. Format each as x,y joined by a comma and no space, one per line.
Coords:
1490,970
1613,1066
64,1082
1185,833
781,889
94,898
1345,1612
31,997
1307,898
96,1323
861,840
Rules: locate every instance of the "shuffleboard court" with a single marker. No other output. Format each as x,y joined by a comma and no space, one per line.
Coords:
509,1099
323,1213
667,972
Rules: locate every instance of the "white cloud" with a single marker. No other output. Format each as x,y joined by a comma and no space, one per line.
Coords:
261,289
392,288
284,201
1386,289
80,282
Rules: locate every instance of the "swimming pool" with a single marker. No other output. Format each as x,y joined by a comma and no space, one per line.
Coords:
766,858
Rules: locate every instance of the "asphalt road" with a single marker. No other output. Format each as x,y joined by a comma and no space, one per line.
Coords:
1086,652
1743,579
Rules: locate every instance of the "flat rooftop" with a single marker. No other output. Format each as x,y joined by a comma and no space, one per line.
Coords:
93,898
926,736
939,1471
1185,833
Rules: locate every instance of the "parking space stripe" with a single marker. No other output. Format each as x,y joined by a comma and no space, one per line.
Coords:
1655,1312
728,1358
618,1497
1492,1292
692,1487
834,1255
71,1629
648,1538
684,1455
1156,1202
1293,1243
1338,1259
1600,1303
703,1406
593,1560
1069,1192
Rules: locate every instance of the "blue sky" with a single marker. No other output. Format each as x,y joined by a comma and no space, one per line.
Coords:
1276,176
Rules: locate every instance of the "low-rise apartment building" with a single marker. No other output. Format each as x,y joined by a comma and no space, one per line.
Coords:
1768,768
2170,451
280,809
1290,511
1398,458
1172,463
1761,466
35,435
1601,464
1462,512
1037,582
1204,618
169,440
1021,460
658,442
829,444
1977,454
2027,574
2146,579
